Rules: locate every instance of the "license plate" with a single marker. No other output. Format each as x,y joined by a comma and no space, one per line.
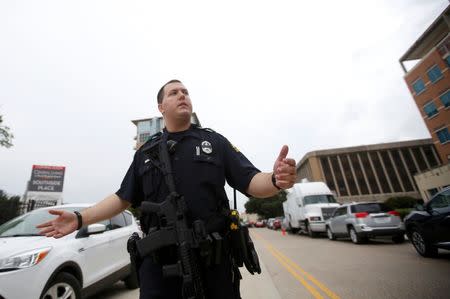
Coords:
382,220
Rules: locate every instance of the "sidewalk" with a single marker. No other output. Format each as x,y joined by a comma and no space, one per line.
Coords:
258,286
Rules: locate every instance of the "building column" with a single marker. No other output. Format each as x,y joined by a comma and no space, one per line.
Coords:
411,179
375,172
396,171
414,160
385,172
343,175
425,157
435,155
354,175
334,177
364,173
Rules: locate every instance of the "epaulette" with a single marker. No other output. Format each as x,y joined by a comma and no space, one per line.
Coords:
151,142
206,129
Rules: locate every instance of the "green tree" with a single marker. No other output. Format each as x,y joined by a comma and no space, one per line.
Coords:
5,135
266,207
9,206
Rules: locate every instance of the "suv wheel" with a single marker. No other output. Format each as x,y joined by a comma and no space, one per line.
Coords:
354,236
64,285
330,234
423,247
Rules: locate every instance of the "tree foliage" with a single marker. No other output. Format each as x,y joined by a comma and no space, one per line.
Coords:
401,202
5,135
266,207
9,207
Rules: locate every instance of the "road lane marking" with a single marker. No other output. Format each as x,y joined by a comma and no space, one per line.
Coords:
309,287
294,265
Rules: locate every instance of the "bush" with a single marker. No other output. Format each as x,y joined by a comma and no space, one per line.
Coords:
403,202
404,212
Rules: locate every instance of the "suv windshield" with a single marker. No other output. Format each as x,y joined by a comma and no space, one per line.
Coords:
313,199
369,208
25,225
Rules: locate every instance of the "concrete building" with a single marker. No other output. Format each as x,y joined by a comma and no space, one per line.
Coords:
371,172
149,126
428,80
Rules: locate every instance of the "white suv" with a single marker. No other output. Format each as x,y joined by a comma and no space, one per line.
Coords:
72,267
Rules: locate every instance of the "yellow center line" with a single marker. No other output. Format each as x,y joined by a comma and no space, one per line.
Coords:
292,264
309,287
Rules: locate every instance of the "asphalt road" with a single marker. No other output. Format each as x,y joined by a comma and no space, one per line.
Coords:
300,267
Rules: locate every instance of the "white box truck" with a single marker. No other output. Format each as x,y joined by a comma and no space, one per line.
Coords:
308,206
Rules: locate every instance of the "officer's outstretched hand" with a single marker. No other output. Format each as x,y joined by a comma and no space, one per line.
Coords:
64,224
284,169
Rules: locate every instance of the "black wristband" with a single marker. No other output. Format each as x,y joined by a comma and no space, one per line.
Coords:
80,219
274,182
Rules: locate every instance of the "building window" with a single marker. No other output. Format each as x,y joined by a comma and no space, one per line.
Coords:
359,173
434,73
327,172
339,176
380,173
428,150
430,109
418,86
402,172
445,98
349,175
390,171
432,191
419,158
443,135
144,137
369,172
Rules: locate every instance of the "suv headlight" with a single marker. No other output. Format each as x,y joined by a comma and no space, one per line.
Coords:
24,259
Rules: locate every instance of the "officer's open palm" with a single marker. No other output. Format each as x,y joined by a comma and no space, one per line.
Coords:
284,169
64,224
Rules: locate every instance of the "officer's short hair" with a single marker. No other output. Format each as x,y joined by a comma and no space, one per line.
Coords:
160,95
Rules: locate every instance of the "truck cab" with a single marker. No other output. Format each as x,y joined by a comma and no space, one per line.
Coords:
308,206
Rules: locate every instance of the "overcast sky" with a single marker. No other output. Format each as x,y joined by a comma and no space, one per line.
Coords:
310,74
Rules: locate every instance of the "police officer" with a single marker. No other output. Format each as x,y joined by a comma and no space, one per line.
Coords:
202,160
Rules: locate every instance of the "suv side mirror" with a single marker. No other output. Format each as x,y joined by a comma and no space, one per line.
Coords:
419,207
96,228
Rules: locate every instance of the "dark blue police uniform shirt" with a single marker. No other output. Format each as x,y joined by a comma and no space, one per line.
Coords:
201,162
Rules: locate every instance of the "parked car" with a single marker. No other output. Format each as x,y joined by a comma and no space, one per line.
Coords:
361,221
260,223
270,223
428,227
276,224
74,266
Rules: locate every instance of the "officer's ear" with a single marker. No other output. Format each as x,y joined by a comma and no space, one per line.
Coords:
160,108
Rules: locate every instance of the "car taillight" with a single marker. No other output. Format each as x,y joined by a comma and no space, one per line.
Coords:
361,215
394,213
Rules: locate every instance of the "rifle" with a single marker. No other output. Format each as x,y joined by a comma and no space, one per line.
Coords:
174,230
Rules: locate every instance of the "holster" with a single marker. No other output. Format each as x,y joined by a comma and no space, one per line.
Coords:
243,250
135,258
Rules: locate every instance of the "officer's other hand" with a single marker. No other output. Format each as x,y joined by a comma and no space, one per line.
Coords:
64,224
284,169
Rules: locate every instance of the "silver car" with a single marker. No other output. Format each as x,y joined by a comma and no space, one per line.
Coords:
363,220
